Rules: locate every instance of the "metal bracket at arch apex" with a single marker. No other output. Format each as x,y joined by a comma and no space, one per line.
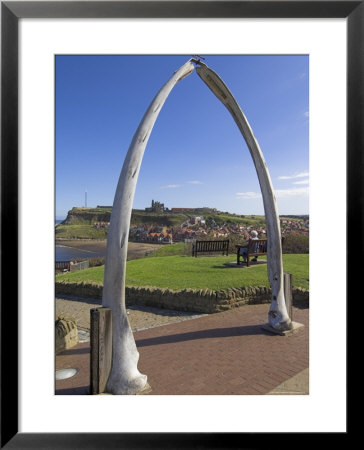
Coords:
197,60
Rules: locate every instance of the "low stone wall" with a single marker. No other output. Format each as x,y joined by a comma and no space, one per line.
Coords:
200,300
301,297
85,290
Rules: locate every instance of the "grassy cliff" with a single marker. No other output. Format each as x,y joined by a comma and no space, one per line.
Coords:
79,224
87,216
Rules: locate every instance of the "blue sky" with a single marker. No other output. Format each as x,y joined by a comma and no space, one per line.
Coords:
196,155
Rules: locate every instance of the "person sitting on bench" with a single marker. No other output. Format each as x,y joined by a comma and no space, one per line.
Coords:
244,250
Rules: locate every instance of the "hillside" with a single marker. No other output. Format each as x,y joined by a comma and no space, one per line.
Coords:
89,216
80,222
92,223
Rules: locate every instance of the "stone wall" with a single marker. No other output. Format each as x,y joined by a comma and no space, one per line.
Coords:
200,300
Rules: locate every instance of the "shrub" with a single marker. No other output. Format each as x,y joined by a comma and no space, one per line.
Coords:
296,243
93,262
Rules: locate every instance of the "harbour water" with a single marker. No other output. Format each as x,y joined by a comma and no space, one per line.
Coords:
70,250
68,253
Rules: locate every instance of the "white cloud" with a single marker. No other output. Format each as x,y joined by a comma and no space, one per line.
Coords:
195,182
294,192
296,175
306,114
301,182
171,186
279,193
248,195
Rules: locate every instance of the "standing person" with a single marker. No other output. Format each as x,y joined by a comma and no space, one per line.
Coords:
244,250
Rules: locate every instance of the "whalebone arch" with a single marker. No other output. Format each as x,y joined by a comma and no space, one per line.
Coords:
124,376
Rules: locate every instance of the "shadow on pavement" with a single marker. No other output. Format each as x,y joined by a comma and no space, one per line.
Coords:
250,330
75,351
91,301
81,390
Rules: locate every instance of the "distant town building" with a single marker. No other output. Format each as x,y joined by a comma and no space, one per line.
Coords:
156,207
101,224
197,220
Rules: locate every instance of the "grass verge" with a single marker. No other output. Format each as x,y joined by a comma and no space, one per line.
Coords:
183,272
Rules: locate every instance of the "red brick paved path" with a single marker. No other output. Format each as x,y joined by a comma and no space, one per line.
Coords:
225,353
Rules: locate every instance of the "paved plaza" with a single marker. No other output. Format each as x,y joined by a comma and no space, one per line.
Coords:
226,353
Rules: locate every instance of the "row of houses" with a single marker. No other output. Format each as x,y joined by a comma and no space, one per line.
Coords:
186,232
196,228
294,226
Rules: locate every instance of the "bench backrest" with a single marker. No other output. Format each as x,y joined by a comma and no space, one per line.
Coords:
211,246
256,246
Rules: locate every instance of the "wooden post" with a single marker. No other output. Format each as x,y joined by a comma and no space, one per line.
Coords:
101,348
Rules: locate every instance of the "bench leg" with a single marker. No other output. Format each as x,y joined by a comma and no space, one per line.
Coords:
247,261
237,258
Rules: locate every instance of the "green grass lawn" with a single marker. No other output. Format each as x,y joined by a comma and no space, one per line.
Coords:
180,272
180,248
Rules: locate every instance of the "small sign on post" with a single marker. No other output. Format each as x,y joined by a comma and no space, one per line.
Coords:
101,348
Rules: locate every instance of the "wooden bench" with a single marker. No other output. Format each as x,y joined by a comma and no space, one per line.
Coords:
210,246
255,247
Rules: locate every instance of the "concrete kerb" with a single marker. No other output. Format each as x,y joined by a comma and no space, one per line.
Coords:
296,385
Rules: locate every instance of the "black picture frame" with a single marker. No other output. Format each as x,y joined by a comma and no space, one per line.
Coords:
11,12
